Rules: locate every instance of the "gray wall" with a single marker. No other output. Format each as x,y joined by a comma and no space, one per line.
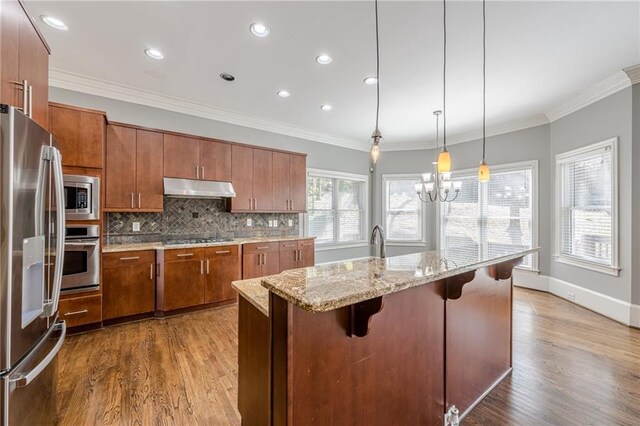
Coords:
610,117
523,145
635,234
320,156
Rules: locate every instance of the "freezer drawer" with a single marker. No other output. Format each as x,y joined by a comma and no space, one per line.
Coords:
28,390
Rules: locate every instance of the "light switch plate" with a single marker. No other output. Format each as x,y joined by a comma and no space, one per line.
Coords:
275,223
136,226
249,222
290,222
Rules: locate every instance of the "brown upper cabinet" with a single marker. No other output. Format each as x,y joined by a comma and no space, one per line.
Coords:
192,158
289,181
133,170
252,178
80,133
24,63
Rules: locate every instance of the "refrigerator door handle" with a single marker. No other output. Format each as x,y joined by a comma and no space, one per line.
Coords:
25,379
39,207
51,306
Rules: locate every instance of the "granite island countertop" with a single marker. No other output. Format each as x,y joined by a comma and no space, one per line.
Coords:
159,245
331,286
254,292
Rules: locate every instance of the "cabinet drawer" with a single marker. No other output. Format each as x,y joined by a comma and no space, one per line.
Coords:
306,243
111,260
260,247
222,251
288,245
173,255
81,310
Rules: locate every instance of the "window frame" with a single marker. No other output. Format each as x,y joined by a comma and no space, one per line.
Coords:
415,178
329,174
573,156
483,192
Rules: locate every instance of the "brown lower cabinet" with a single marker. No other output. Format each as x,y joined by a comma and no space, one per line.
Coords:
297,254
128,283
81,310
181,280
223,266
260,259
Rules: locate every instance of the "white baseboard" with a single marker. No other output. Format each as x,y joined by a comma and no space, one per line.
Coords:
616,309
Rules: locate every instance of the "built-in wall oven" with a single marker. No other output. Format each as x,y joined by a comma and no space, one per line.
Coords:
82,197
81,267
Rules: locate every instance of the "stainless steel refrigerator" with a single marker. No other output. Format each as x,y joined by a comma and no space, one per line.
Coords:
31,256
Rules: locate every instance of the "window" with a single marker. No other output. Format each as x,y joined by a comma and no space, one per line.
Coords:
402,209
489,220
337,207
587,207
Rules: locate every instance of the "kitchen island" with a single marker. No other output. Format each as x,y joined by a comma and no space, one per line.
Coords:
375,341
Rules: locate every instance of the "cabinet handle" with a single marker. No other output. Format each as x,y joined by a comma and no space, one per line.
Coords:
207,266
151,271
84,311
201,267
259,259
139,199
197,172
262,248
223,252
255,204
202,173
264,258
31,101
184,255
130,258
288,245
132,200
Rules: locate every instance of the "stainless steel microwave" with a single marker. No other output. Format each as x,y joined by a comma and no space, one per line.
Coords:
82,197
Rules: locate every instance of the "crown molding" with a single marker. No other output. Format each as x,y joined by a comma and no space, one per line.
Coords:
598,91
107,89
473,135
634,73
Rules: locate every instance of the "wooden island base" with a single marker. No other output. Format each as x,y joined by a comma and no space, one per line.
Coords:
422,351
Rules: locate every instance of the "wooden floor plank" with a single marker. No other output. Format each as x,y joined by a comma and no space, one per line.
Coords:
571,367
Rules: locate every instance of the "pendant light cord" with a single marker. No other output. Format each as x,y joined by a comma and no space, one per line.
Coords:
444,75
377,68
484,81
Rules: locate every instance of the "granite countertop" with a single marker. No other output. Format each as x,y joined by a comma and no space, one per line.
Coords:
114,248
331,286
254,292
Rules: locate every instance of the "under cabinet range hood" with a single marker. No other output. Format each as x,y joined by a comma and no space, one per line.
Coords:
188,188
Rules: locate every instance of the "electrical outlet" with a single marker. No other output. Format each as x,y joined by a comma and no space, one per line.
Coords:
290,223
571,296
136,226
249,222
275,223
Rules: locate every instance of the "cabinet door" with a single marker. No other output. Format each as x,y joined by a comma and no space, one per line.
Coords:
181,157
183,284
34,67
251,267
270,263
242,177
215,160
281,166
223,267
128,284
149,166
263,180
10,17
80,135
121,168
307,256
298,183
288,255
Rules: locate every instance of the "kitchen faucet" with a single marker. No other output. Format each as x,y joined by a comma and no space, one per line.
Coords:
378,230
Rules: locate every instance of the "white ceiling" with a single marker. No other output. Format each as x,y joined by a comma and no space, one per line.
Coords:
539,54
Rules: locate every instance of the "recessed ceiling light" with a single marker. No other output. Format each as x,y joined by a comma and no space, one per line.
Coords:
227,77
324,59
54,23
154,53
326,107
370,81
259,30
284,94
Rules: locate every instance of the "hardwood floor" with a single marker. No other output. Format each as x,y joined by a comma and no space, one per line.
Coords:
571,367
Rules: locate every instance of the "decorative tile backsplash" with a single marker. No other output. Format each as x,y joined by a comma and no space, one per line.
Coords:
189,218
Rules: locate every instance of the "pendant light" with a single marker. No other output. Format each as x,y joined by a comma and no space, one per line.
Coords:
444,158
376,136
484,174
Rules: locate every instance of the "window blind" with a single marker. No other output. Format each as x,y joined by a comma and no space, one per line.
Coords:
403,210
586,215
